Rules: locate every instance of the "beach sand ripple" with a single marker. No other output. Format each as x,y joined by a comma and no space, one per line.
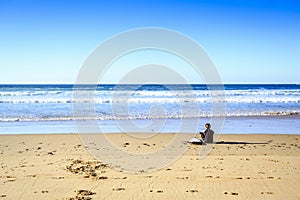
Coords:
239,166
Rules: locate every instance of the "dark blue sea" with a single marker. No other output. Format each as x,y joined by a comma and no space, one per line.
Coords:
245,108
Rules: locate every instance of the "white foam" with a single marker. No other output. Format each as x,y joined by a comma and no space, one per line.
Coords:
238,103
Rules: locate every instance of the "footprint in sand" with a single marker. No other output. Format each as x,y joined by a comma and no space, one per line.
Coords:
103,177
119,189
31,175
182,177
126,144
60,177
121,177
267,193
85,192
192,190
82,194
51,153
232,193
246,159
146,144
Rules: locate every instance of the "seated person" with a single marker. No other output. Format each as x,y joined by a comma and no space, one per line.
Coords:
207,135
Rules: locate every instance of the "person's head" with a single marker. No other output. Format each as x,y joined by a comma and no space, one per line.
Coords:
207,125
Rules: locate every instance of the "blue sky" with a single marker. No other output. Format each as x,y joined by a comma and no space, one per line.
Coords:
249,41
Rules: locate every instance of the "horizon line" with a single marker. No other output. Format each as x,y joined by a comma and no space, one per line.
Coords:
108,83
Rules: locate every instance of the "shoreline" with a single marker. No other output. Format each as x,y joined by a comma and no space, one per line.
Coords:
247,125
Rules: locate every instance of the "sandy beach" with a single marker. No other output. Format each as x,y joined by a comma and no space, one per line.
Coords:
239,167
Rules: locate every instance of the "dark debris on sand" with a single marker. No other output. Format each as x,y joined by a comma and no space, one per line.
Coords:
89,169
83,195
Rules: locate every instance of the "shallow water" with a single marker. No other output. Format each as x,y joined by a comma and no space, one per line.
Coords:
232,125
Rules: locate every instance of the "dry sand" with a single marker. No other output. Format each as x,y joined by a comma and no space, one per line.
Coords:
60,167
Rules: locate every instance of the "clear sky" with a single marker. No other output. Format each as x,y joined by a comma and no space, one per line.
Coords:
255,41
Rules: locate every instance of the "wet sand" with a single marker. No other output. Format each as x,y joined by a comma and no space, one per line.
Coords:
238,167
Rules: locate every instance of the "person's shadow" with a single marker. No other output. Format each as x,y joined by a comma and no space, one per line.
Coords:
223,142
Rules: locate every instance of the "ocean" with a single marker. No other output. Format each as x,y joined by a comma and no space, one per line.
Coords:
245,108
